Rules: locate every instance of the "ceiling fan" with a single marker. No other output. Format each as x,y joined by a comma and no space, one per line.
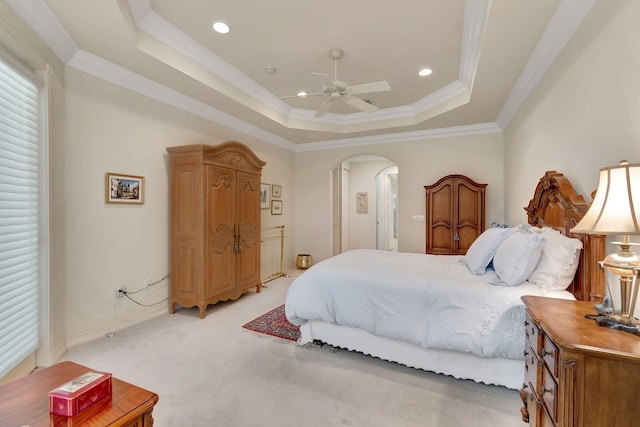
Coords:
339,90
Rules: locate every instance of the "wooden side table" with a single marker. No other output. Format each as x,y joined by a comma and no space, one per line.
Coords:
577,374
25,402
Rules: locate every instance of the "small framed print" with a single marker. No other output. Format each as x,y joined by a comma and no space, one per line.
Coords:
264,196
126,189
276,207
362,203
276,191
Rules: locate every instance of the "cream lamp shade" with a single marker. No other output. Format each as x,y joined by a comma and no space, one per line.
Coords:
616,206
616,211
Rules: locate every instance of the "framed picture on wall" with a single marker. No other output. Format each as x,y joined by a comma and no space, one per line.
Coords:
264,196
276,207
362,203
276,191
126,189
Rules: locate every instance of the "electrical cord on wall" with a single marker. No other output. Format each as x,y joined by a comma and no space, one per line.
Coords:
129,293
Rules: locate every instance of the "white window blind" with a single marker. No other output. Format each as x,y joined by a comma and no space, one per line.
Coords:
18,217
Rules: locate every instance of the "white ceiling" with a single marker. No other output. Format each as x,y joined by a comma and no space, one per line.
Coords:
486,56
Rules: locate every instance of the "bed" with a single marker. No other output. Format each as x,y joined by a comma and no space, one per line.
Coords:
449,314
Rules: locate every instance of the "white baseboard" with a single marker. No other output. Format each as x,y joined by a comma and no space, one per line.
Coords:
113,327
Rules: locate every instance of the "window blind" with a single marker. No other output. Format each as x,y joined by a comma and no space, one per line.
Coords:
18,217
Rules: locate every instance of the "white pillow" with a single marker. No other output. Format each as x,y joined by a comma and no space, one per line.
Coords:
482,249
528,228
558,263
517,257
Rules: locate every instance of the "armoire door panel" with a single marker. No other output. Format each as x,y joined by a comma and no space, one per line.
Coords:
441,205
221,230
186,218
468,206
249,227
185,276
466,236
441,239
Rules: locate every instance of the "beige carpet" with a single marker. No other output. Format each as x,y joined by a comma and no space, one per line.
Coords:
212,372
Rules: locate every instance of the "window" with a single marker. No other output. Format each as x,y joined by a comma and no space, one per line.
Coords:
19,216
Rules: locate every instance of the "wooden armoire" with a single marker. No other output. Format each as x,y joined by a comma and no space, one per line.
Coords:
454,214
214,223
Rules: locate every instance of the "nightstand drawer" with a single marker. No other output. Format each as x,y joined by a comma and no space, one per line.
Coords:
532,367
549,353
532,332
548,391
534,408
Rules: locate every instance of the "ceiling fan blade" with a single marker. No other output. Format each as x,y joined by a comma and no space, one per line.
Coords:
381,86
360,104
324,107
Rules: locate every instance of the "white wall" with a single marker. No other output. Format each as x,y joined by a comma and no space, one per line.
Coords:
111,129
419,163
585,114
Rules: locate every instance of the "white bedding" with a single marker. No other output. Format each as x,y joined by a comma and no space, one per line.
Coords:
426,300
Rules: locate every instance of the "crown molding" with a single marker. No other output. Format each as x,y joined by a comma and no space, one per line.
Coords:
113,73
162,30
476,14
395,138
40,18
561,27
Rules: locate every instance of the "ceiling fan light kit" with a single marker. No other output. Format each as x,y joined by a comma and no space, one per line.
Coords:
338,90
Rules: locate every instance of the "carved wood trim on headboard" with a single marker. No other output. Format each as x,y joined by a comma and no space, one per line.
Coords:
556,204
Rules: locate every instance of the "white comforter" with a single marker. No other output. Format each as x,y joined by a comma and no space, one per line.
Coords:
428,300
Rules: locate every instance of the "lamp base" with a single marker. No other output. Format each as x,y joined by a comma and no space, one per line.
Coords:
615,322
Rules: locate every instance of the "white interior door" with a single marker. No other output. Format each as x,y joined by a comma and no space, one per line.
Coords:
336,184
344,209
387,209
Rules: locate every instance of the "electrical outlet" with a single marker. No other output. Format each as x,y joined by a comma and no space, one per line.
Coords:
119,293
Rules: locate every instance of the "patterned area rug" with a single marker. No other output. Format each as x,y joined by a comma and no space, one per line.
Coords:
274,323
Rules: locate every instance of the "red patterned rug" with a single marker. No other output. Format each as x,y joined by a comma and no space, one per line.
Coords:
274,323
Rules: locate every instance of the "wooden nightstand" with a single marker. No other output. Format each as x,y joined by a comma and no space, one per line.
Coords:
25,402
576,372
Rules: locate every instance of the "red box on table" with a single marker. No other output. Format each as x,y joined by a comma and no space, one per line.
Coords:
79,393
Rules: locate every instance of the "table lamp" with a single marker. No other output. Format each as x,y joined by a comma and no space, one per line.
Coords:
616,211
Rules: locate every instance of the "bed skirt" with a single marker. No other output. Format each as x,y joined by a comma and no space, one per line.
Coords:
493,371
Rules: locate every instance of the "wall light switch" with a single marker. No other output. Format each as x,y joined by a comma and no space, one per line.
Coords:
418,217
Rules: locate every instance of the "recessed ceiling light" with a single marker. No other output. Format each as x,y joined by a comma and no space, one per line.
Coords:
425,72
221,27
270,69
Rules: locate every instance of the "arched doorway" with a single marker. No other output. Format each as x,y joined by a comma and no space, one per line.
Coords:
365,200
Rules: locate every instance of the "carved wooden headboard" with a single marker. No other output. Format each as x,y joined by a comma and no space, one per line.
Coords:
556,204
